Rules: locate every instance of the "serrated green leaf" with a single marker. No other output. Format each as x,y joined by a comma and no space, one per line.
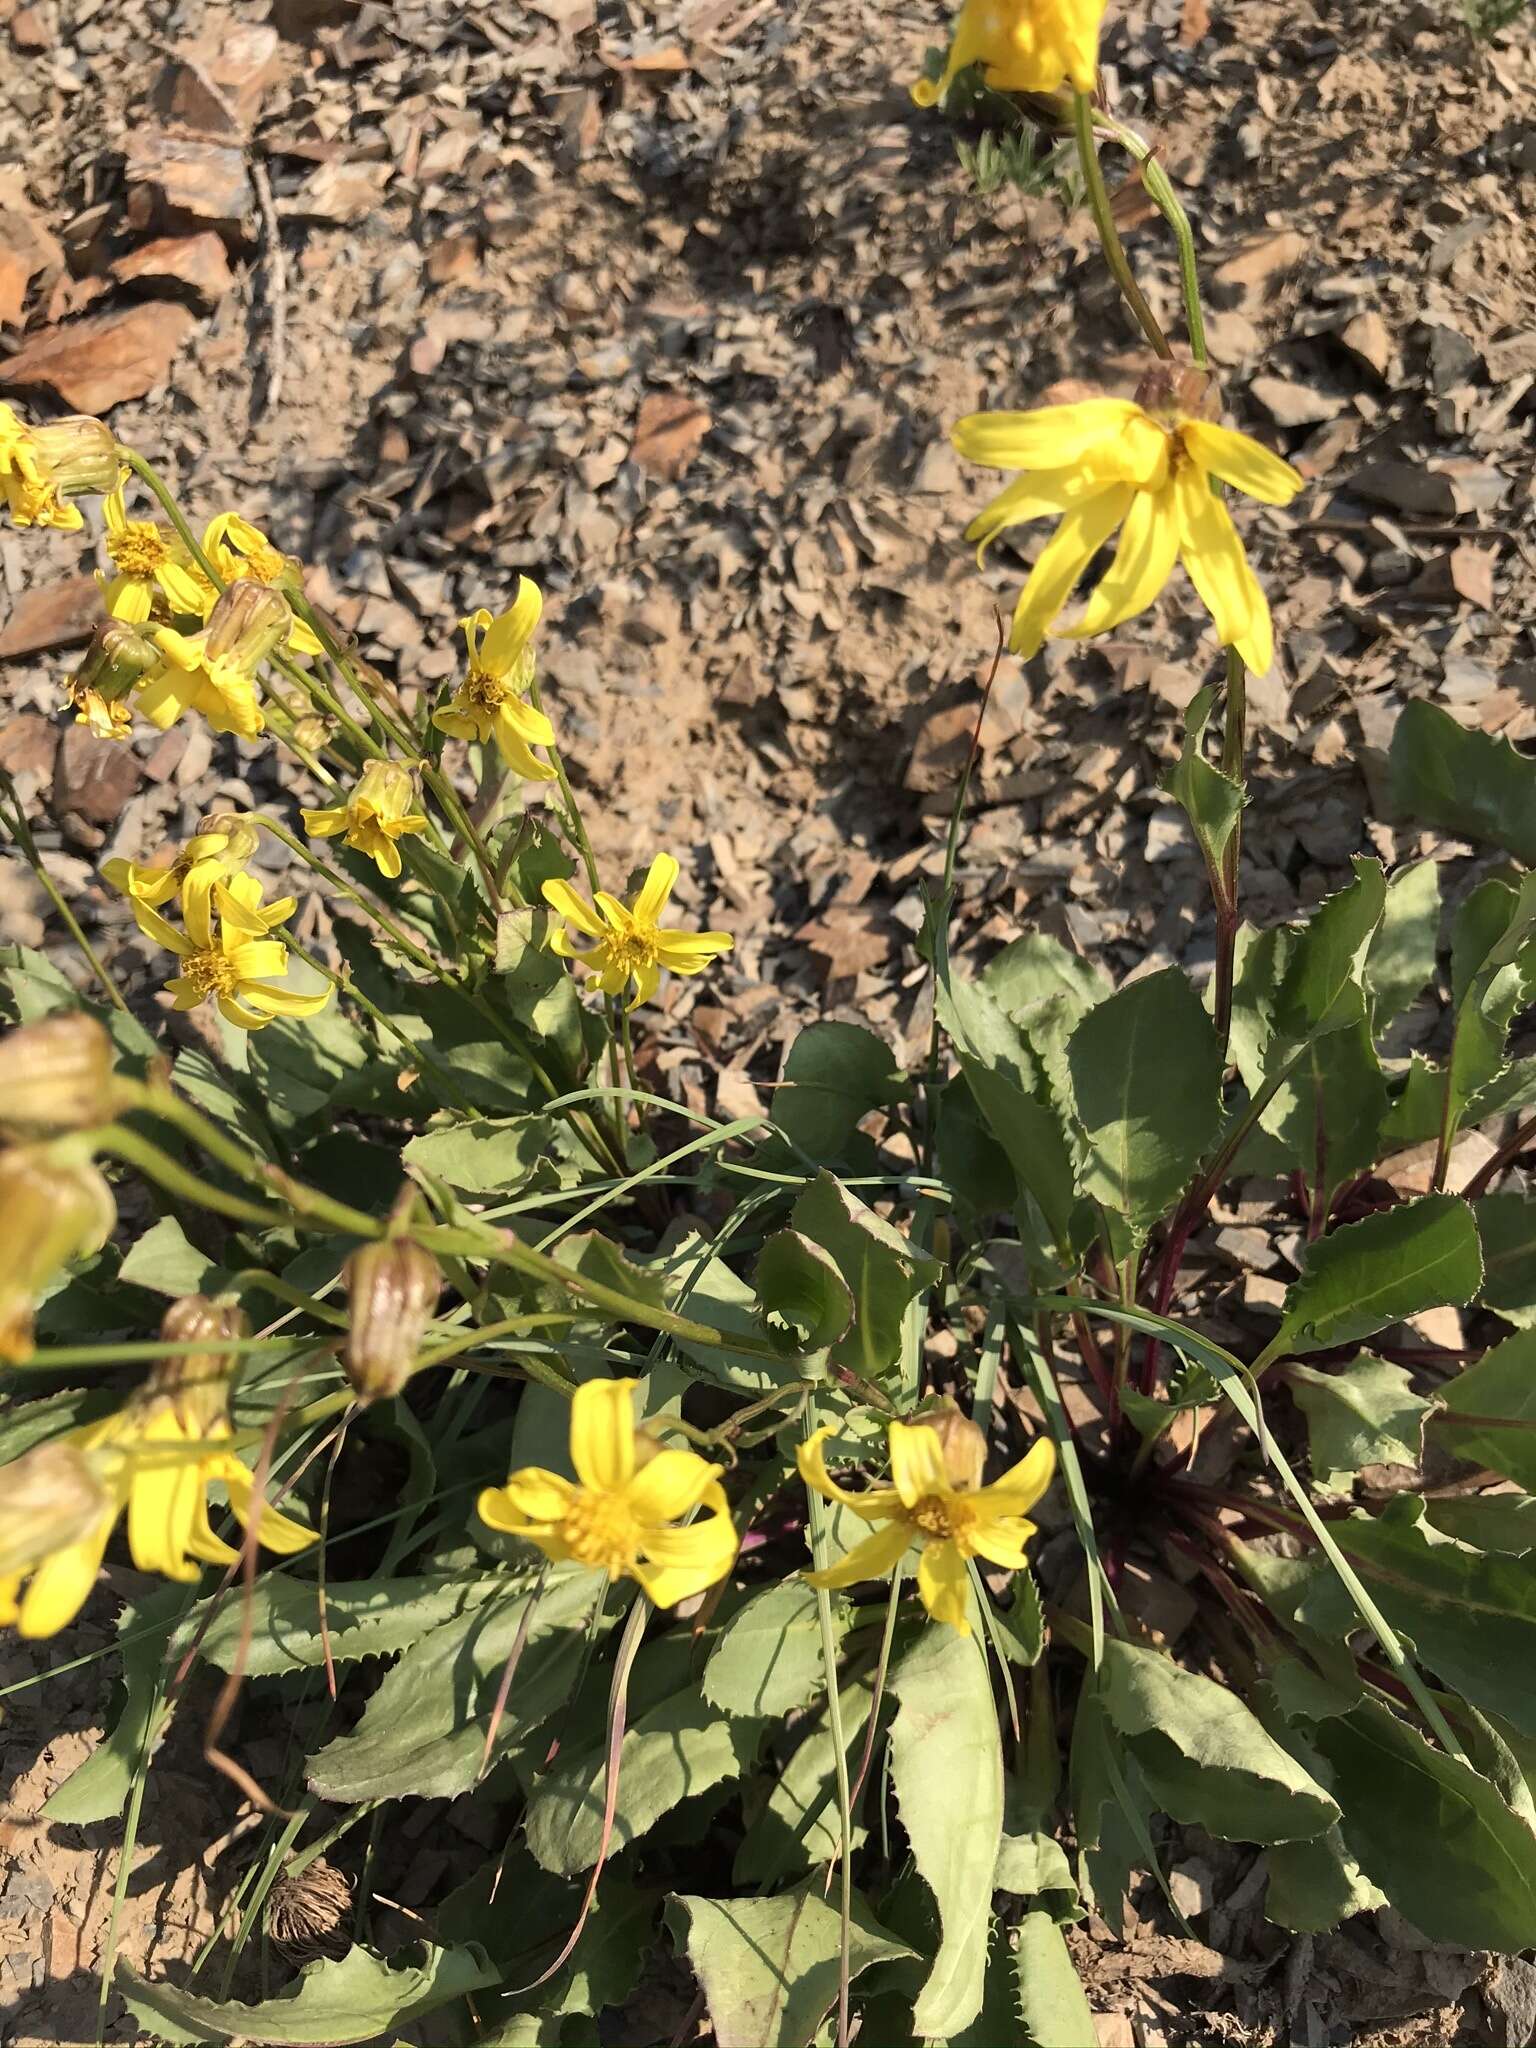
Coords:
883,1271
806,1302
1146,1078
521,1917
947,1774
799,1826
769,1967
1463,781
768,1658
1501,1522
1502,1388
834,1075
1034,1866
165,1262
496,1155
1401,962
1436,1837
1036,967
1052,2003
1326,1117
1323,987
1373,1273
332,2004
367,1619
1212,801
1506,1225
1365,1413
1204,1756
1314,1885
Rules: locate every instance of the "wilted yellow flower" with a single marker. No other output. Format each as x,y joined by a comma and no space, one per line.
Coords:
225,839
226,950
1022,46
621,1512
236,549
1104,461
932,1501
214,671
42,467
631,944
56,1075
489,704
374,816
149,561
54,1207
156,1457
116,662
392,1294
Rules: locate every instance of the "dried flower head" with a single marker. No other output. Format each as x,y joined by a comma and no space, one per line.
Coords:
56,1075
392,1294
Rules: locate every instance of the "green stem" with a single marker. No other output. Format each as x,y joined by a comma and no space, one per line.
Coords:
21,832
1108,233
820,1554
125,1144
1166,200
146,1351
339,882
463,824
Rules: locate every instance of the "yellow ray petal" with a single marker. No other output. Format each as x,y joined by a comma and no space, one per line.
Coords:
1082,532
944,1585
1022,1484
1218,568
871,1559
656,888
669,1486
507,636
878,1505
917,1462
62,1584
564,901
538,1495
1245,463
603,1434
1050,437
1144,560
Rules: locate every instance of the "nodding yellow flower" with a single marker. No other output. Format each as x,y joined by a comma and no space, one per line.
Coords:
214,671
631,944
149,563
225,840
620,1513
116,662
488,703
1022,46
156,1457
54,1207
374,816
236,549
42,467
1111,462
933,1500
234,960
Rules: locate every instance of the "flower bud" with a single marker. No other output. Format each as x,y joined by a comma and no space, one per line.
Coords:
198,1378
80,455
392,1293
52,1210
55,1075
385,788
965,1446
311,732
51,1497
116,661
246,624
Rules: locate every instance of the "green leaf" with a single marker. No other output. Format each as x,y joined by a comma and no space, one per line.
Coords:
1109,1810
971,1161
834,1075
1462,781
1314,1885
699,1283
368,1618
769,1967
497,1155
1052,2005
947,1773
680,1747
333,2003
1373,1273
422,1733
1323,987
98,1789
806,1302
536,991
1036,967
1502,1387
883,1271
1146,1075
1363,1414
163,1261
25,1423
1204,1756
1501,1522
997,2025
768,1658
799,1826
521,1917
1507,1226
1034,1866
1326,1117
1401,962
1435,1837
1213,802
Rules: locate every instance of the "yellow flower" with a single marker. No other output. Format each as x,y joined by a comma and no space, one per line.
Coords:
489,704
1022,46
620,1512
236,549
236,961
631,945
929,1503
41,467
225,840
214,671
54,1207
149,561
156,1457
116,662
374,816
1105,461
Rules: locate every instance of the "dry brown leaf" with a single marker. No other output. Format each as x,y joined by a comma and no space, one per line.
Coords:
97,363
668,430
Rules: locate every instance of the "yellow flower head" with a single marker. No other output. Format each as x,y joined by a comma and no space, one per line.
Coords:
374,816
54,1207
1109,462
620,1513
930,1501
42,467
631,944
1022,46
116,662
227,951
489,702
238,549
151,568
156,1457
214,671
225,840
